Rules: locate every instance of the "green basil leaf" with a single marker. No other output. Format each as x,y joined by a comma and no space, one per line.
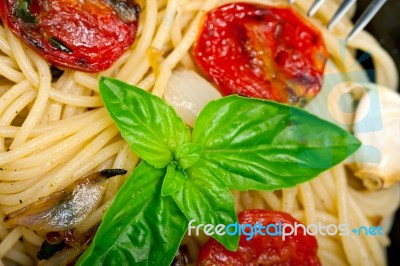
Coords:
148,124
207,200
258,144
188,154
140,227
173,181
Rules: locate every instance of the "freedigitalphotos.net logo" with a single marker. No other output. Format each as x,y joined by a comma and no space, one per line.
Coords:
282,230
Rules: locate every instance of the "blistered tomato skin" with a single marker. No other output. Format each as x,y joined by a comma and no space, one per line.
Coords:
264,250
262,52
86,35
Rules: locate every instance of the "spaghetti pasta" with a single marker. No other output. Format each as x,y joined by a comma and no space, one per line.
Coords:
54,132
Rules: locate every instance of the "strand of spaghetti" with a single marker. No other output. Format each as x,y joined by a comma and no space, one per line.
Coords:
143,42
102,155
74,89
183,18
117,65
31,236
329,244
236,199
12,94
9,62
385,68
192,6
288,199
66,175
388,198
246,199
19,257
140,71
54,113
321,191
4,45
38,168
10,73
176,27
132,159
32,145
10,131
328,180
331,259
56,108
9,241
21,57
374,248
271,199
75,100
39,105
54,152
74,169
257,202
308,203
361,257
113,184
87,80
13,187
323,217
14,109
175,56
147,82
161,82
164,29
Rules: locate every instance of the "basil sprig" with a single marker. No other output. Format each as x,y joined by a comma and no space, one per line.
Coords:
237,142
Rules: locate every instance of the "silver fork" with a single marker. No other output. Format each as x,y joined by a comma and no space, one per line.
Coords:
364,19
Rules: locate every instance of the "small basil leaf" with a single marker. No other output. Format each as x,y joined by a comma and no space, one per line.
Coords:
188,154
140,227
148,124
208,201
173,181
267,145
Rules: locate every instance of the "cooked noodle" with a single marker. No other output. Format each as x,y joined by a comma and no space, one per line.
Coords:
51,134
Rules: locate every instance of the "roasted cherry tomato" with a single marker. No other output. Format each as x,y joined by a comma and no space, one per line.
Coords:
296,250
261,51
88,35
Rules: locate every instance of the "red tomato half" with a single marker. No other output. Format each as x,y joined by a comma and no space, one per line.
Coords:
263,52
88,35
295,250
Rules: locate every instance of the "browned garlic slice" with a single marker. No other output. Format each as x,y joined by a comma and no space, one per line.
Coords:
377,163
64,209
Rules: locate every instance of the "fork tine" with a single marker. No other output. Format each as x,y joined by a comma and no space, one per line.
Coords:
291,1
314,7
366,17
343,8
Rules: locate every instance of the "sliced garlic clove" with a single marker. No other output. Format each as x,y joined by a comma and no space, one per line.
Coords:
376,164
64,209
187,92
